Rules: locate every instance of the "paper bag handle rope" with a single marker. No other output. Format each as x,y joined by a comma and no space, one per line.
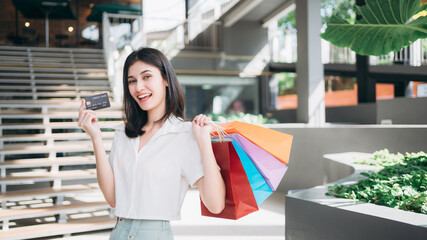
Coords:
217,130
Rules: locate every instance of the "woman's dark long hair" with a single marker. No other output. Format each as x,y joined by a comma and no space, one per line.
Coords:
135,117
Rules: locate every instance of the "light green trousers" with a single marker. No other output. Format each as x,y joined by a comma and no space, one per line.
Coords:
132,229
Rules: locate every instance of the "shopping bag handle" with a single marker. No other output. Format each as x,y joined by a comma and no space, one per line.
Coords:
217,130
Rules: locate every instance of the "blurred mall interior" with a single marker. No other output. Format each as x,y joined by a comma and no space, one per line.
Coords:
262,62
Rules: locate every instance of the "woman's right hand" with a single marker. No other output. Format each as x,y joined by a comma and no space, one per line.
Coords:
88,121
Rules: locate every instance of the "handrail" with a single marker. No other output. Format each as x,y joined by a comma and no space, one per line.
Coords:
210,9
124,33
413,55
283,49
201,31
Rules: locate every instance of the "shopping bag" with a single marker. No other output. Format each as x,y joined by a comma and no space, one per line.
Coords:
276,143
239,199
259,186
270,167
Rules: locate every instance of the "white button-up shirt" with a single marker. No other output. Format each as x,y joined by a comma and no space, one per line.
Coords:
152,183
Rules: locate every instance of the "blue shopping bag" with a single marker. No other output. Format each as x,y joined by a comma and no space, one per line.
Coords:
259,186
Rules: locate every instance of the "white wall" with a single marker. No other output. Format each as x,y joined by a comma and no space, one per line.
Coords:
307,168
398,110
403,110
364,113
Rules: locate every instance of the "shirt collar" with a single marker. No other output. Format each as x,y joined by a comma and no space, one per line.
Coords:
172,125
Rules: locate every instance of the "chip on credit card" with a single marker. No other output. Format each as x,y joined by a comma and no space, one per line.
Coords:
97,102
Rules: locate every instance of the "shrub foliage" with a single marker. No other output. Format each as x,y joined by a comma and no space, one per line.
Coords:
401,183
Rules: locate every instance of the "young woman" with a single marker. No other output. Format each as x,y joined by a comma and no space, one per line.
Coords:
156,156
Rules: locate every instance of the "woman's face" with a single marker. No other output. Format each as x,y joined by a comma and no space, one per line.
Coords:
147,87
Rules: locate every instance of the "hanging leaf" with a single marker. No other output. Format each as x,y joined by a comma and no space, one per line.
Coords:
383,26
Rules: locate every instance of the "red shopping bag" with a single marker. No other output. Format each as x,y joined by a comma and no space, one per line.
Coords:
239,198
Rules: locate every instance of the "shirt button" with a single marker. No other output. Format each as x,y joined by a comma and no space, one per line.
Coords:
131,236
121,220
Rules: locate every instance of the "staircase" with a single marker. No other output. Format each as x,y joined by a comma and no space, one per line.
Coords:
47,168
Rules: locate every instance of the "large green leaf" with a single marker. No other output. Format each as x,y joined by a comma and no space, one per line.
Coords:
385,26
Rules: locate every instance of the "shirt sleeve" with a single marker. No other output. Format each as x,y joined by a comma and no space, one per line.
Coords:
192,168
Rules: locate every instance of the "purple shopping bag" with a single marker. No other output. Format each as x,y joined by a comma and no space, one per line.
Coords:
270,167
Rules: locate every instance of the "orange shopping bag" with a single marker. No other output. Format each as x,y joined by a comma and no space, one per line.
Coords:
276,143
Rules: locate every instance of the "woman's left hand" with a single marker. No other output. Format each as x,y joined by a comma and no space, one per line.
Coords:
201,130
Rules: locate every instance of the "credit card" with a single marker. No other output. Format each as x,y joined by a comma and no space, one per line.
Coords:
97,102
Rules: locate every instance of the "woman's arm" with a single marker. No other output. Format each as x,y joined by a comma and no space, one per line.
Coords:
211,186
89,123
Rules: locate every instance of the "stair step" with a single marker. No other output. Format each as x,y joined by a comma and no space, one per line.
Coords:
53,136
57,81
69,146
51,104
66,55
44,60
53,229
56,88
102,76
20,61
43,107
63,94
50,49
50,57
13,214
48,192
75,56
56,125
31,177
45,162
58,115
47,69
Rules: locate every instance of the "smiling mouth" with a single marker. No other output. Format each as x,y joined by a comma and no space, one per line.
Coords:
144,97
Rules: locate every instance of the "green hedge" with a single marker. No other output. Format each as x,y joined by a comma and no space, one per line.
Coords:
401,183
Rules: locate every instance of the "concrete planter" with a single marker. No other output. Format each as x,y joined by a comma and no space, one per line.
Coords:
310,214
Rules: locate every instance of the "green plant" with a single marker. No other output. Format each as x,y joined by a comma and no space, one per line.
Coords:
286,83
243,117
342,8
425,48
381,26
401,185
381,159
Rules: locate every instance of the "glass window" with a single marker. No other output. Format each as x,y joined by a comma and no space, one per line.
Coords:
283,92
339,91
219,94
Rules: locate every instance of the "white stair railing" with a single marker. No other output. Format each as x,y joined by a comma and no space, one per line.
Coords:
121,34
124,33
283,49
413,55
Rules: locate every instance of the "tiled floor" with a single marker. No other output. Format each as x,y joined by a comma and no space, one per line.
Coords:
266,224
